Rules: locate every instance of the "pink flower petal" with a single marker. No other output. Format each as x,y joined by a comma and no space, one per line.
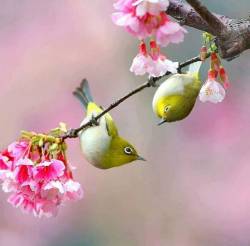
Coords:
52,190
4,165
23,170
49,170
140,64
153,7
212,91
46,208
160,67
73,190
16,200
170,32
17,149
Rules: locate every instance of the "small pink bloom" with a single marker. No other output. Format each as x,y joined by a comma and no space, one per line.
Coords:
45,208
28,206
154,67
212,91
73,190
161,66
140,64
141,61
18,149
153,7
23,170
9,184
133,25
16,199
49,170
145,18
4,165
170,32
52,190
154,63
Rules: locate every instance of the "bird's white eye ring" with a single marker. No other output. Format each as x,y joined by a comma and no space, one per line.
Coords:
128,150
166,109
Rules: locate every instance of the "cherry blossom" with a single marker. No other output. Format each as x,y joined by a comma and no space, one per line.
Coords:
140,64
48,170
170,32
212,90
153,63
146,18
37,184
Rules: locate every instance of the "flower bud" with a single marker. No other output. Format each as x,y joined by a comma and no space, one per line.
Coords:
203,53
224,77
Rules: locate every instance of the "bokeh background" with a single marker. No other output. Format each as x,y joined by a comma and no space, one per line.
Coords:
194,190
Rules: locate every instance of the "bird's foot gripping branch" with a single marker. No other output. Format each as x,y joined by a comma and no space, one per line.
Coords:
34,169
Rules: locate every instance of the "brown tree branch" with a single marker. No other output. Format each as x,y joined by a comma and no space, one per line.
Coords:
212,20
233,37
231,40
73,133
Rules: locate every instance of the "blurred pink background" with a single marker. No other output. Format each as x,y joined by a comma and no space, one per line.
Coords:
194,189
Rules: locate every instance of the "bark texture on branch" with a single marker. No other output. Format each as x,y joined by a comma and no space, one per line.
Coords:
233,36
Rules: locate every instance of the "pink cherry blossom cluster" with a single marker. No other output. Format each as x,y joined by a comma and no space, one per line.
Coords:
37,182
152,62
213,90
148,18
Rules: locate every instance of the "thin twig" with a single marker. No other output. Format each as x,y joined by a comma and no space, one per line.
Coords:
214,23
73,133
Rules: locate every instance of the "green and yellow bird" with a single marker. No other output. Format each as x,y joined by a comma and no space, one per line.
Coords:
176,96
101,144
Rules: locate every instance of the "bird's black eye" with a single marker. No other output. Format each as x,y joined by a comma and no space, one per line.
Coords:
128,150
166,109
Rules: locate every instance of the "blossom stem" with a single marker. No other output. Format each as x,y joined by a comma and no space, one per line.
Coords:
73,133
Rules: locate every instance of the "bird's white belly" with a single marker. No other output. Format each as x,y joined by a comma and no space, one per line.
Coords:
95,141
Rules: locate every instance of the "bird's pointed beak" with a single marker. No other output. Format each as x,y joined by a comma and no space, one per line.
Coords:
162,122
139,158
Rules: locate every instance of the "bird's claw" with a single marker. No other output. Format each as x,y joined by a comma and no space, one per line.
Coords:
72,133
179,70
152,82
94,121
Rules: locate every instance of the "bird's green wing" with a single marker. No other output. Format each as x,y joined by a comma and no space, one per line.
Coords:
110,124
111,127
192,89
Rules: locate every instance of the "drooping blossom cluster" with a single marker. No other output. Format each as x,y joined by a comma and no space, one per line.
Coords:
37,175
213,89
152,62
148,18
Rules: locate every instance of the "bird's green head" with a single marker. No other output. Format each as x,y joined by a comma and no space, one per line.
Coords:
173,108
121,152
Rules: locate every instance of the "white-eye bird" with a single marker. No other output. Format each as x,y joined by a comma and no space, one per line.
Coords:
101,143
176,96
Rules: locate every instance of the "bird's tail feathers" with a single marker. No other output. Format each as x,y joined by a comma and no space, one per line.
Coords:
82,93
194,68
